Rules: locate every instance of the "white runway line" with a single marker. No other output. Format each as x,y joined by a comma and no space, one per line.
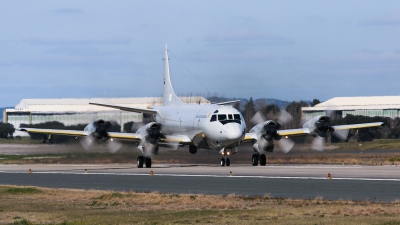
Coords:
205,175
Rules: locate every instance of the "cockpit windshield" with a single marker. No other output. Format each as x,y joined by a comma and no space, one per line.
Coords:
226,118
221,117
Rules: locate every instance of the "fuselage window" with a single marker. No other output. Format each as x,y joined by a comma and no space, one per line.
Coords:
213,118
221,117
230,117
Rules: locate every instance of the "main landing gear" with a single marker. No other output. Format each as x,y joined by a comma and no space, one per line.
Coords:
262,157
225,160
145,160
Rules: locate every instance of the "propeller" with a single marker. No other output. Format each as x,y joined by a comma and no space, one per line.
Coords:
86,142
318,143
151,134
320,126
114,145
97,131
286,144
268,131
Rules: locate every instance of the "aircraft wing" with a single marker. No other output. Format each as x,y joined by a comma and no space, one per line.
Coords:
179,139
129,109
282,133
294,132
357,126
176,139
125,136
79,133
76,133
227,103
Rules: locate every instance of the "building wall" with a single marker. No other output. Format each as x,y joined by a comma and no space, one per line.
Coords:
391,113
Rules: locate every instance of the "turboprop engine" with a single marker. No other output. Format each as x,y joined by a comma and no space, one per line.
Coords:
97,131
320,128
151,134
267,133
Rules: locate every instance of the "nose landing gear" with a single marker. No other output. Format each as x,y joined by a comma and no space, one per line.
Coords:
225,160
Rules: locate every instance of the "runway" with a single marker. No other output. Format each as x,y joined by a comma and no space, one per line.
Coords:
377,183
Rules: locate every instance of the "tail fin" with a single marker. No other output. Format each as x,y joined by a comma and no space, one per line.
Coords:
169,97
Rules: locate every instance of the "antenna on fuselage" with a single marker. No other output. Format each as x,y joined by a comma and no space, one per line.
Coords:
169,97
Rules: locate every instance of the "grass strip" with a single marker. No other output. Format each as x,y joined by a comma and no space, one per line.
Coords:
33,205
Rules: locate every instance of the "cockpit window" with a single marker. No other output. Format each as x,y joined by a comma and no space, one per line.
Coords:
221,117
213,118
227,118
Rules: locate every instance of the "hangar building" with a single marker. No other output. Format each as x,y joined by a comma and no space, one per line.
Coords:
78,111
385,106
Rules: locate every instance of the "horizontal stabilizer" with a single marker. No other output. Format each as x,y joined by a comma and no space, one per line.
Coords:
129,109
227,103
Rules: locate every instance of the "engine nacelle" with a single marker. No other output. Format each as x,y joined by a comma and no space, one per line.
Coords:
266,132
98,129
151,134
319,126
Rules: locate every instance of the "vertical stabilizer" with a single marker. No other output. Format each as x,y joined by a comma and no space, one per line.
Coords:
169,97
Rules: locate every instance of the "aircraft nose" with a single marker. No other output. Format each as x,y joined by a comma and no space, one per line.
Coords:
234,132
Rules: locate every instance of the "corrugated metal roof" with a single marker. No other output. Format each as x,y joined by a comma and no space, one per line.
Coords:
350,103
82,105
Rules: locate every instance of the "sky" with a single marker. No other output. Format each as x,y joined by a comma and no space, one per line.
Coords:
288,50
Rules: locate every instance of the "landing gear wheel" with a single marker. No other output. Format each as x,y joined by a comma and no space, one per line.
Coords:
263,160
148,162
254,160
140,162
227,162
192,149
222,162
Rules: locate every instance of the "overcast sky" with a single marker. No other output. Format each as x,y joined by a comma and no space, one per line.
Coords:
289,50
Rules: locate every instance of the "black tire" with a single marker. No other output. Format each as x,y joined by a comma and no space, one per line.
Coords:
263,160
227,162
192,149
222,162
254,160
148,162
140,162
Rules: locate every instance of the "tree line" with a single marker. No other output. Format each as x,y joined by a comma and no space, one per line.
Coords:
6,130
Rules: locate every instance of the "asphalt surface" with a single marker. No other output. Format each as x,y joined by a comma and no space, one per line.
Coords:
376,183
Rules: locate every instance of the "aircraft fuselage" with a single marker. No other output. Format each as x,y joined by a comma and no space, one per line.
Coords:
220,126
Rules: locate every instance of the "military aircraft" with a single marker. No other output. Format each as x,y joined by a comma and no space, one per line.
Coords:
217,127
